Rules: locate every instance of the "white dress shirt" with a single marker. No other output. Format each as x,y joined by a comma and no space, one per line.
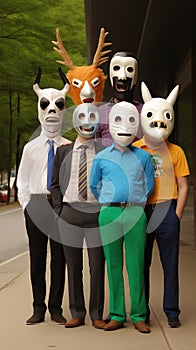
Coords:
32,173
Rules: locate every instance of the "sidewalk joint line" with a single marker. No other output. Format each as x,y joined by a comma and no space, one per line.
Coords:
14,258
13,279
161,328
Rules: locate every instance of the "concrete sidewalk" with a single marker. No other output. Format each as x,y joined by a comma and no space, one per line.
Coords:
16,301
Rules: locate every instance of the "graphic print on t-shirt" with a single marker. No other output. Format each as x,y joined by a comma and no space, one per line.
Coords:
157,162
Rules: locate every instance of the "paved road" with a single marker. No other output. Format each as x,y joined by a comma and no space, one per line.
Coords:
13,238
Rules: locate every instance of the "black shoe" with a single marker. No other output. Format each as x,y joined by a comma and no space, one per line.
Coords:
35,318
58,318
147,321
174,322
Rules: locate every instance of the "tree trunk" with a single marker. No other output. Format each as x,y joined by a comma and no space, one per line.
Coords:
10,146
17,143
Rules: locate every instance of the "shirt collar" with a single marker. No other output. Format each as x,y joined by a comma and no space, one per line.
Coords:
142,142
113,147
56,139
89,144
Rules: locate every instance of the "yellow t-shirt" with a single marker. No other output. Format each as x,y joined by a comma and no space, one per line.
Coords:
169,163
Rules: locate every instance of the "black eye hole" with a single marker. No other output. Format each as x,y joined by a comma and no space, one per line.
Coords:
149,115
60,103
115,68
117,119
92,117
168,116
81,116
44,103
132,119
77,83
130,69
95,82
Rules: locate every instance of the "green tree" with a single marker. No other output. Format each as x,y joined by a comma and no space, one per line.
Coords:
27,29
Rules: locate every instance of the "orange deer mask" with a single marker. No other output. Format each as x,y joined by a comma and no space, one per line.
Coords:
86,82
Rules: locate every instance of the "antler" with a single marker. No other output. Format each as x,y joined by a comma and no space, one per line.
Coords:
99,57
61,51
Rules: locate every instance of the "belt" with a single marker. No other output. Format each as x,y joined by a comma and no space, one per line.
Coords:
125,204
153,206
46,195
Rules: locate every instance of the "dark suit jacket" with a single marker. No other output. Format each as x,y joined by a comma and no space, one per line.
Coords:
61,173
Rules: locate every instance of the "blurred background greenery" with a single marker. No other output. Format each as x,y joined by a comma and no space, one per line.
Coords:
27,29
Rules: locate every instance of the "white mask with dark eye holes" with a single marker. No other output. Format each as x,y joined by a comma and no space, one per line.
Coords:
157,115
51,109
86,119
123,75
51,105
123,123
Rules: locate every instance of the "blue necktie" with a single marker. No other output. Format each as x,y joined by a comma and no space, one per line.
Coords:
50,163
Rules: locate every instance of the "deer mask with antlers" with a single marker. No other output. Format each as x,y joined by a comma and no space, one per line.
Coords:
86,82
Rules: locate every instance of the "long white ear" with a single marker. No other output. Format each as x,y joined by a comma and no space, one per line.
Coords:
173,95
145,92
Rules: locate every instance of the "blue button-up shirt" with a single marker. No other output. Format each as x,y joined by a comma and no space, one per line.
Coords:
122,176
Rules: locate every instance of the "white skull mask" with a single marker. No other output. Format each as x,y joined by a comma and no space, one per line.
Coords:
157,115
123,123
86,119
51,107
123,75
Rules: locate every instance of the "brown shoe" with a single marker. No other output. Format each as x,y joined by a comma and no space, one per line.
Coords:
99,324
142,327
58,318
74,322
35,318
113,325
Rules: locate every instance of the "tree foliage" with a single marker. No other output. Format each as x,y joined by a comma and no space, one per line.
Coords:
27,29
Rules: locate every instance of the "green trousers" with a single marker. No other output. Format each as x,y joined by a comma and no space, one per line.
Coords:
124,230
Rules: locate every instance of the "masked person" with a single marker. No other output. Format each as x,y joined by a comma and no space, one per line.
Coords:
78,211
165,206
123,72
121,179
86,82
33,184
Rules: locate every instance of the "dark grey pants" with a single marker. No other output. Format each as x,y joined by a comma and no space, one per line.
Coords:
78,226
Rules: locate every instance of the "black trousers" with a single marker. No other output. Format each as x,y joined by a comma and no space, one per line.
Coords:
40,224
76,226
166,231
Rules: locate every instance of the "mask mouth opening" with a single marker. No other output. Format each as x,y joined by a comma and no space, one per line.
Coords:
158,124
88,100
122,88
52,120
122,85
86,129
124,134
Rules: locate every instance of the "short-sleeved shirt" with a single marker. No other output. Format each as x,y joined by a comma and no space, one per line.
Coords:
170,164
